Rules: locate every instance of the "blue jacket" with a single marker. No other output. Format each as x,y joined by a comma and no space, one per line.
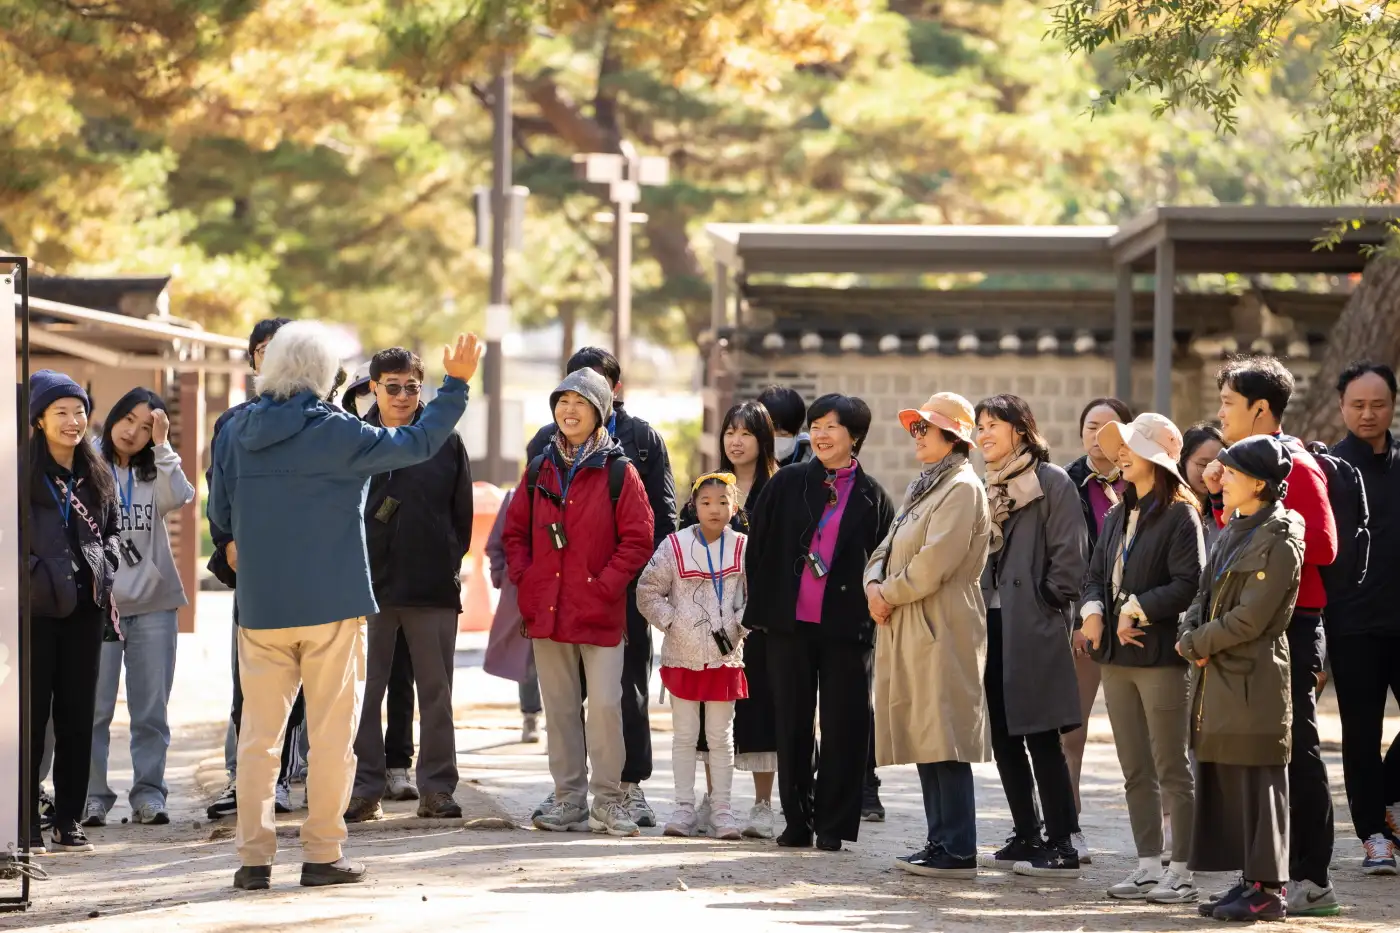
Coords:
290,480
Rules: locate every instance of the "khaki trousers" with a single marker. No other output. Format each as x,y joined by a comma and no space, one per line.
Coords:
576,741
328,662
1150,713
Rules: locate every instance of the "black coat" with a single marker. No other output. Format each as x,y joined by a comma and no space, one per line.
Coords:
783,521
740,522
1163,571
218,561
55,587
647,451
1374,607
1079,472
415,553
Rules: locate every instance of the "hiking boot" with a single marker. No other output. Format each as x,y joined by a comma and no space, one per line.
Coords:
545,806
282,799
151,814
635,802
439,806
1081,848
399,786
726,827
1254,903
226,804
613,819
1018,848
46,810
253,878
932,862
682,822
1175,888
1306,899
562,817
342,871
871,809
95,814
363,810
1380,856
1212,901
1055,859
760,824
69,838
1136,886
530,730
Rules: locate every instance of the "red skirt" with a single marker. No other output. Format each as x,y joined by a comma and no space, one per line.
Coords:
712,685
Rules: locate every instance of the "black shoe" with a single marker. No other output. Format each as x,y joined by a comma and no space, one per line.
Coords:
1018,848
70,838
1254,903
794,839
1056,859
871,809
829,843
253,878
344,871
226,804
933,862
1207,907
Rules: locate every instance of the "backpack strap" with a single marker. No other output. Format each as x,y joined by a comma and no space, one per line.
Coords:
532,480
617,475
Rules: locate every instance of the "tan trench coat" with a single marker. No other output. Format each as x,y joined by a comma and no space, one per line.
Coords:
930,704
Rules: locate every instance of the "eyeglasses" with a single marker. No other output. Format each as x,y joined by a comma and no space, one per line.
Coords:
919,429
407,388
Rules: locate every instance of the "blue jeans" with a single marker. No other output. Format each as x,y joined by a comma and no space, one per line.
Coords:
148,653
950,806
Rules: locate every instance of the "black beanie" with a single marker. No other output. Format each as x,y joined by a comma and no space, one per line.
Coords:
47,387
1262,457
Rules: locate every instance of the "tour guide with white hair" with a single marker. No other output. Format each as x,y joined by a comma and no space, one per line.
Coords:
290,478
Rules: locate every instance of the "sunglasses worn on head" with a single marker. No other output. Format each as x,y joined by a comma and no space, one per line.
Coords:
919,429
408,388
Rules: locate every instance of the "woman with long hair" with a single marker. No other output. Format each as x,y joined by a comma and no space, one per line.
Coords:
1031,588
1200,445
73,558
1142,577
814,528
1101,487
150,485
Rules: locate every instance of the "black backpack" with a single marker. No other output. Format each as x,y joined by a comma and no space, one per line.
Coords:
1346,492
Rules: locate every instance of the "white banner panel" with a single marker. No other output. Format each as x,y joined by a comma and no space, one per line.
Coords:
9,583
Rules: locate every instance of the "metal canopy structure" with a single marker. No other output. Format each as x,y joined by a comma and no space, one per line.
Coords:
1164,242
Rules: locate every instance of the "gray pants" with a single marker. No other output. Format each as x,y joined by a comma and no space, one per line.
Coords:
1149,709
431,635
574,744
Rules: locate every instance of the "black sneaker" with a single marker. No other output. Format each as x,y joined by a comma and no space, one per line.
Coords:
1056,859
226,804
253,878
344,871
871,809
70,838
46,810
1254,903
793,838
1207,907
933,862
1018,848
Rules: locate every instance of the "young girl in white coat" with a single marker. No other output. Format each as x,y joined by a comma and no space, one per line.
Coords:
694,591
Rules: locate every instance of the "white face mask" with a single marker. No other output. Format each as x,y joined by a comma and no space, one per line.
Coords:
363,403
784,446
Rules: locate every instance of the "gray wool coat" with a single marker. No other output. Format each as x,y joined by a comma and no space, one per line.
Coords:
1037,574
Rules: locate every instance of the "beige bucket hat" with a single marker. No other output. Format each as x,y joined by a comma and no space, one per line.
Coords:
946,410
1150,436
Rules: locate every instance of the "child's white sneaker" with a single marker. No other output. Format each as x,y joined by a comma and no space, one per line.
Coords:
702,816
683,821
724,824
760,824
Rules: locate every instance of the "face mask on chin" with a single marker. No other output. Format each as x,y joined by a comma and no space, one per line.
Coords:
783,447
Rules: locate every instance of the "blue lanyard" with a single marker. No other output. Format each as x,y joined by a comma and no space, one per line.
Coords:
65,506
1225,564
569,480
830,509
130,487
716,579
612,424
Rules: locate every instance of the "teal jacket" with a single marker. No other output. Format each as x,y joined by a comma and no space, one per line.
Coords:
290,479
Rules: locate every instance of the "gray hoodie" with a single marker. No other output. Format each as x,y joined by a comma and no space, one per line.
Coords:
153,585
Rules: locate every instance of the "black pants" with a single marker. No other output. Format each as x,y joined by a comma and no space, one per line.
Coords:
1046,768
398,726
1363,672
295,719
1311,825
636,694
806,668
1391,779
64,658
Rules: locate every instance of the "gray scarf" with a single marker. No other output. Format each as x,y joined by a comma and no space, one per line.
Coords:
928,479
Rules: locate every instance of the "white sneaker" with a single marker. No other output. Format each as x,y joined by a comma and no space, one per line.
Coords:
1136,886
562,817
1306,899
1081,847
760,825
613,819
94,814
1380,856
530,729
283,800
400,786
635,803
1174,889
682,822
702,817
725,826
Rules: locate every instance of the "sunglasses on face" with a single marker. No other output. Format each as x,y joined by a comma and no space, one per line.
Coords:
919,429
408,388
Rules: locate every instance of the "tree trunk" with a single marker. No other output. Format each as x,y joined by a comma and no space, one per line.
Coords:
1368,329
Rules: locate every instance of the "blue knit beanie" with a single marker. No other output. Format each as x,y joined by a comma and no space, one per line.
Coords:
47,387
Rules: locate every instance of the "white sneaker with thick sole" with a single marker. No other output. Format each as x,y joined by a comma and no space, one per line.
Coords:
1175,889
760,824
399,785
94,814
1306,899
1136,886
682,821
612,819
725,825
563,817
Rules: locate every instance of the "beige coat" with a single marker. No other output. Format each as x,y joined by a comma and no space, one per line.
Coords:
930,704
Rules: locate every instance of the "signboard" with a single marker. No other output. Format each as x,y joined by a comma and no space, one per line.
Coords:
10,728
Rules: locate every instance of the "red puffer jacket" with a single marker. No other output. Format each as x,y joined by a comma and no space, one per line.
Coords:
578,595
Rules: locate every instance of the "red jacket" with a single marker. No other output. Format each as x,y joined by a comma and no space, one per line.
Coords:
1307,495
578,595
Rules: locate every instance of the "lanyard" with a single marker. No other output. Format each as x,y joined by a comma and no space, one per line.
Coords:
65,505
130,487
569,480
831,509
1225,564
612,424
716,579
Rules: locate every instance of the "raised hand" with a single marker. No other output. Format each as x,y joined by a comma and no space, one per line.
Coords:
462,359
160,427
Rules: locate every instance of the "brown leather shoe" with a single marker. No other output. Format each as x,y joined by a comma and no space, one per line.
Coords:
439,806
363,810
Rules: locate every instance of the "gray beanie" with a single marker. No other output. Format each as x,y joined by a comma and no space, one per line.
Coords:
592,386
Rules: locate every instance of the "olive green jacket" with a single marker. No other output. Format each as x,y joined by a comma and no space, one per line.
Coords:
1241,709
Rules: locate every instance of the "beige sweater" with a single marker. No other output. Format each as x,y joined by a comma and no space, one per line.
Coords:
676,593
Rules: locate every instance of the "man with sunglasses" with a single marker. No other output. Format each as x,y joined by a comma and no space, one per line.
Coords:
418,525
